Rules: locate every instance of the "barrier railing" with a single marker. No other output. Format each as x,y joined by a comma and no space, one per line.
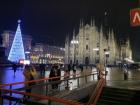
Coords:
97,91
54,99
43,79
40,96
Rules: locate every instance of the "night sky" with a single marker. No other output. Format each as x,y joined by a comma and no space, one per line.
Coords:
49,21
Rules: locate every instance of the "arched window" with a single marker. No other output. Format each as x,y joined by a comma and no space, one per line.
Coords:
86,47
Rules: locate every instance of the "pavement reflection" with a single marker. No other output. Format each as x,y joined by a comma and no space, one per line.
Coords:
114,77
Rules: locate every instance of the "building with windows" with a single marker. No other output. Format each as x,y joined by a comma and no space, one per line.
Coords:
8,37
40,53
90,46
46,54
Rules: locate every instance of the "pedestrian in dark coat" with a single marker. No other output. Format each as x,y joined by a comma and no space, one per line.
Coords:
14,66
81,67
74,68
55,72
69,67
42,68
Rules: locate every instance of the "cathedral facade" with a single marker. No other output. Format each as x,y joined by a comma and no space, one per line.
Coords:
91,46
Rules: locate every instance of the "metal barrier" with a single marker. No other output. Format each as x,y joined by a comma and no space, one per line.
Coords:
65,101
97,92
54,99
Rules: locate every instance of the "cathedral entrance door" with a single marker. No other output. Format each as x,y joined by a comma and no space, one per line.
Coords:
87,60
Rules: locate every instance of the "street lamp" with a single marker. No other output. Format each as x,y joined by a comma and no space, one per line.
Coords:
106,52
74,42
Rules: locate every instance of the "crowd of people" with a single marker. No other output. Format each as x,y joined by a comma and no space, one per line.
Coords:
30,73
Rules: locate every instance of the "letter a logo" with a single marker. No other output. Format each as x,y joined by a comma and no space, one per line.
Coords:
135,17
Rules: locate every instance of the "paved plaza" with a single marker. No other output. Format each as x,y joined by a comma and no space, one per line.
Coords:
115,76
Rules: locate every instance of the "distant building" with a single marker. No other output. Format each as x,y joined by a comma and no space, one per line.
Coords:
2,50
91,45
46,54
8,37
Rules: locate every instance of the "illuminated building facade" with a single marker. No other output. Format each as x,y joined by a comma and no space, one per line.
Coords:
46,54
91,45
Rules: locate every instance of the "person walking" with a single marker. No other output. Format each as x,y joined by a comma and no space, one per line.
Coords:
28,74
55,72
81,67
66,76
58,71
100,70
42,68
74,70
69,67
14,66
125,69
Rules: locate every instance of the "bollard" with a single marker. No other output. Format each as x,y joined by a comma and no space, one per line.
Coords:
125,76
93,76
78,84
47,87
49,102
10,101
1,98
59,87
85,79
67,84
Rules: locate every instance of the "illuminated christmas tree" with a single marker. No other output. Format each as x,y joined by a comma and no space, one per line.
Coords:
17,49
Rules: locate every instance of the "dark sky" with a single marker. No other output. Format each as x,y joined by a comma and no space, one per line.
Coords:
50,20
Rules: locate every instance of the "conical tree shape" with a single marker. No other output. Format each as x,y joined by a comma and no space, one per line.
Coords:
17,49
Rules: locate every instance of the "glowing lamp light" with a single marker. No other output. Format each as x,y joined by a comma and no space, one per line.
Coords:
21,61
27,52
96,49
48,55
74,42
129,60
107,52
24,62
63,49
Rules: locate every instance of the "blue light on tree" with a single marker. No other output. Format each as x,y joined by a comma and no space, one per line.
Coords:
17,49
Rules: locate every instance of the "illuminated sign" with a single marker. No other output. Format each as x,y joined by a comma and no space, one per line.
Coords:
135,17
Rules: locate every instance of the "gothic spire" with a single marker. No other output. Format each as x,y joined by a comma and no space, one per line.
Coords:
67,38
80,23
92,22
74,35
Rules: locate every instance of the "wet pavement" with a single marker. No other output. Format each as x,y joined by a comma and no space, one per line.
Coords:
115,77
